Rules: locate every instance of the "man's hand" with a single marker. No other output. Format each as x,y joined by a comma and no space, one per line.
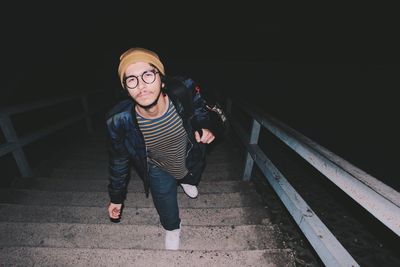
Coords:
206,138
114,210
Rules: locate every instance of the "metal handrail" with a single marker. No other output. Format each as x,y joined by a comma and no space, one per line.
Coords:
15,144
380,200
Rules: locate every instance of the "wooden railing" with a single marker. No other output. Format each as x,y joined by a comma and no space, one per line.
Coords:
377,198
14,143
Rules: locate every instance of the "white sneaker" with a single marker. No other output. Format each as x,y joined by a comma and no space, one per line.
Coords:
172,239
190,190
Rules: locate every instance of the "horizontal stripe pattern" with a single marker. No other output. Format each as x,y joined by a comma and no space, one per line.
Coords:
166,141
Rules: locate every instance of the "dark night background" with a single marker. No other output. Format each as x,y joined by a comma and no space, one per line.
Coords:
329,72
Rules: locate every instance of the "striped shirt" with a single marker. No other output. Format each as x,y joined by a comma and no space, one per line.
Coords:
166,141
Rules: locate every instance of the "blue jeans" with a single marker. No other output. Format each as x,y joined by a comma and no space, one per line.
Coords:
163,188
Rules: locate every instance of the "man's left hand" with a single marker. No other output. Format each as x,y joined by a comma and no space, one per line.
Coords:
206,138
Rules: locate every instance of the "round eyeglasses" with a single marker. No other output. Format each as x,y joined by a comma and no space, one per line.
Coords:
132,81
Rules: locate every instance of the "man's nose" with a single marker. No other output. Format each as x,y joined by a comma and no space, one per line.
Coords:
141,84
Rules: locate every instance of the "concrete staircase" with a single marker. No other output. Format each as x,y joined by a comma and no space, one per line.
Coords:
60,217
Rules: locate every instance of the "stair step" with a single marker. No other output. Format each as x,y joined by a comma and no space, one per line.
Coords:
100,151
103,157
103,169
242,237
87,151
60,218
88,215
81,257
68,164
208,174
97,185
100,199
90,147
101,144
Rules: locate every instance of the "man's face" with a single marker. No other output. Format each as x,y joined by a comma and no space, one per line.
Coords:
144,94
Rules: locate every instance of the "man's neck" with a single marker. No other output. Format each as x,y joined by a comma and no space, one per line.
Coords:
155,111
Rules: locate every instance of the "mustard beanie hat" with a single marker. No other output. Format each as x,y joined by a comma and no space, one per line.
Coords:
138,54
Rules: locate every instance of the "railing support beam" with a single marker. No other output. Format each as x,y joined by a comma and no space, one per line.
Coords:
18,152
248,166
15,144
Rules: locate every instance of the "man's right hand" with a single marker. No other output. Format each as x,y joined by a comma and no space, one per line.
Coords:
114,210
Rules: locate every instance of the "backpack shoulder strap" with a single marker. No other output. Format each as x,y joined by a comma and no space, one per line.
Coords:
176,87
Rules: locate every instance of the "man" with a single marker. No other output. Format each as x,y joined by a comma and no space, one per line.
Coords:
161,134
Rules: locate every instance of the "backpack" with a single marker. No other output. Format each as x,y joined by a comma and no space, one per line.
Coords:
181,85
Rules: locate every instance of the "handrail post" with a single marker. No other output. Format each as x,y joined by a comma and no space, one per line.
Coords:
254,134
18,153
89,123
